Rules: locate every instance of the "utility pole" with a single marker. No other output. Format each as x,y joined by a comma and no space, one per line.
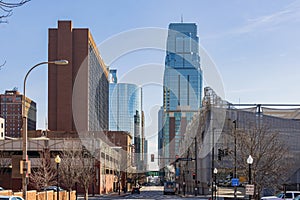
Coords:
212,162
196,167
235,173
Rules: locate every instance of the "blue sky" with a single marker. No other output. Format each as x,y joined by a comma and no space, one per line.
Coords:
254,44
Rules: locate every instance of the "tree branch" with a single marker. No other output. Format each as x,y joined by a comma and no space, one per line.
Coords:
7,8
2,65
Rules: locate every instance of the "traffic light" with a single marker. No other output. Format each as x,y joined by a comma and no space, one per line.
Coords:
226,152
194,176
152,157
220,154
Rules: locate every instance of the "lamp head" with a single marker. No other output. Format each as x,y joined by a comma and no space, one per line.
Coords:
250,160
57,159
61,62
215,171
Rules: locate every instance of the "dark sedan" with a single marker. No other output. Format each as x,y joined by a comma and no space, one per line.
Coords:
135,190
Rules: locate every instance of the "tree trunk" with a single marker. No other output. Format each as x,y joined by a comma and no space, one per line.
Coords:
86,194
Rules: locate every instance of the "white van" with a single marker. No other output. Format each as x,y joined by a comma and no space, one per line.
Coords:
289,195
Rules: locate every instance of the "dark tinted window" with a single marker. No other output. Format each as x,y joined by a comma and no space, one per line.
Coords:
288,195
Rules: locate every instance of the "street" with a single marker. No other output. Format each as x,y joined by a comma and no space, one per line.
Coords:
149,192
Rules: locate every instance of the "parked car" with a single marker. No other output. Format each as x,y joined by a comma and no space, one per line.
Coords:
169,187
54,188
135,190
10,198
288,195
270,198
297,197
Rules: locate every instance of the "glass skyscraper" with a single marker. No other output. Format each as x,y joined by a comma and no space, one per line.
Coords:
182,84
124,104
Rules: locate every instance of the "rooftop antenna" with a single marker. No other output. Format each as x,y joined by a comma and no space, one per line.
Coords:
181,18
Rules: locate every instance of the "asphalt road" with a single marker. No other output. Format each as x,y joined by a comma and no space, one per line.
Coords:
148,192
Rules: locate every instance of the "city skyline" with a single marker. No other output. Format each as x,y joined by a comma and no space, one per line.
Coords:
254,45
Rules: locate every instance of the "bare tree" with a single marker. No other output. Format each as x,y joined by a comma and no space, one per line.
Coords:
77,166
69,168
45,173
268,151
87,171
5,163
6,8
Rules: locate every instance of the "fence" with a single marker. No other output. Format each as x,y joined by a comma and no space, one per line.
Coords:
46,195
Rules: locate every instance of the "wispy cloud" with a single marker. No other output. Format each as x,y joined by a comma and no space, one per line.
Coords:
267,22
271,21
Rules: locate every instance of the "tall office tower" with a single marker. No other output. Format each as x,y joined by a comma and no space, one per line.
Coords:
125,112
160,138
11,105
145,155
81,85
182,84
124,101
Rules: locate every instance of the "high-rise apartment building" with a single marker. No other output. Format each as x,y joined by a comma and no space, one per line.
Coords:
78,92
182,84
11,105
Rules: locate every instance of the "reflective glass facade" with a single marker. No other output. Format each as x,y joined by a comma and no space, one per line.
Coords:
124,101
182,84
98,94
183,75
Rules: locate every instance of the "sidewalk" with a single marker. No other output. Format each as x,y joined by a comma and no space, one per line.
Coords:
97,196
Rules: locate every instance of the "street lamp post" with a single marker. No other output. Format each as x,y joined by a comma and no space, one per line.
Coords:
215,181
212,162
24,162
250,161
57,161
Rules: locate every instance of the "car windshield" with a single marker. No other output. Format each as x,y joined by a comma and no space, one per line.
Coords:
169,184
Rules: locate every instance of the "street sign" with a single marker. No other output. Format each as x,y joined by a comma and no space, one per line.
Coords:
249,189
235,182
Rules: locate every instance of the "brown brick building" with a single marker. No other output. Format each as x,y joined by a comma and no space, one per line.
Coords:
78,92
11,110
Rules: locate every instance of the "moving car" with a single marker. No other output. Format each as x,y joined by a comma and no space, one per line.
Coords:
169,187
10,198
135,190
